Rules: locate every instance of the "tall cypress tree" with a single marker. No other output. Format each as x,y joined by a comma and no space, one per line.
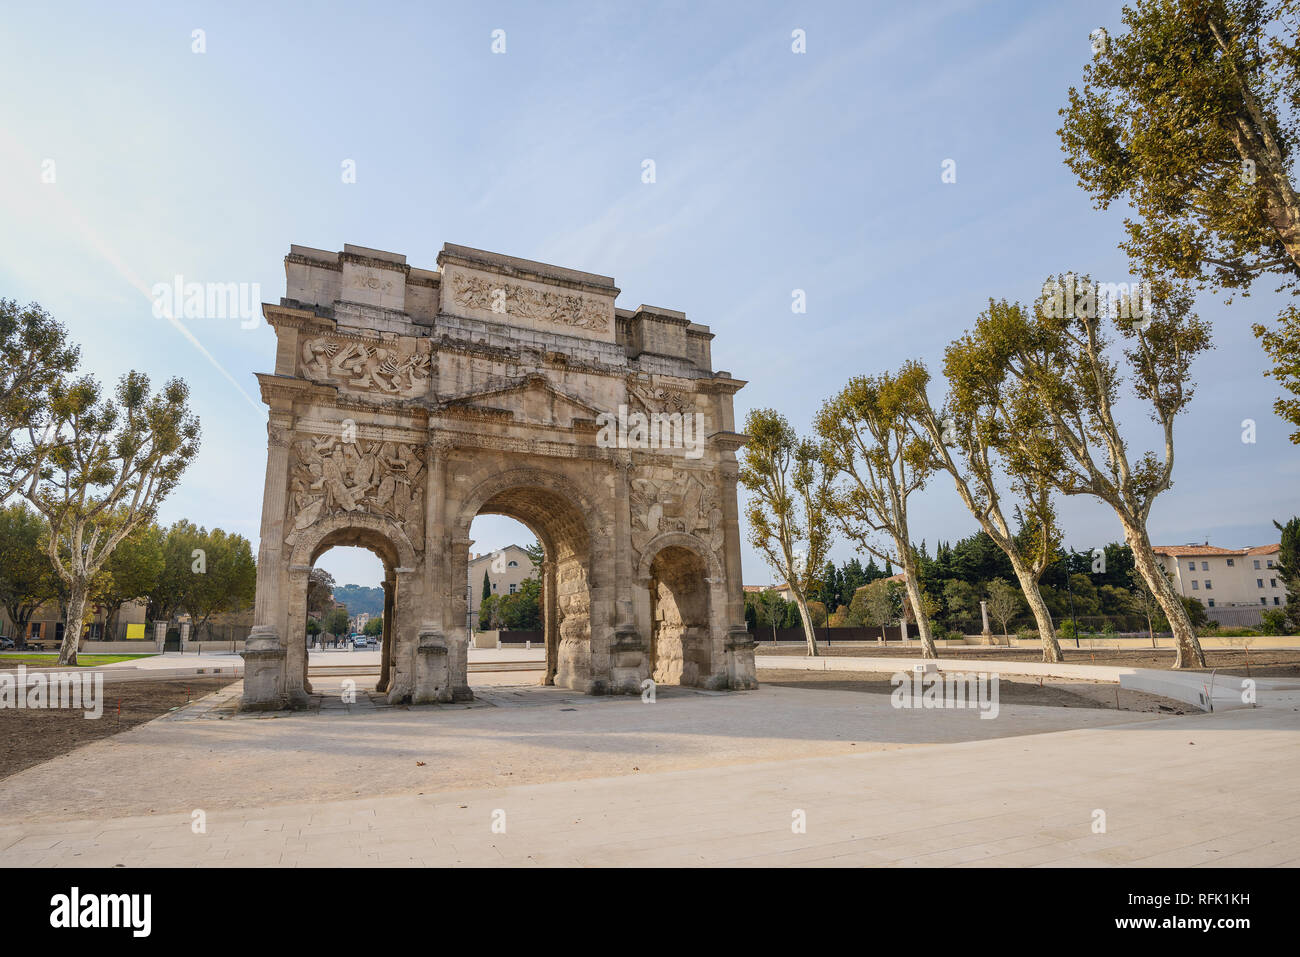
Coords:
1288,566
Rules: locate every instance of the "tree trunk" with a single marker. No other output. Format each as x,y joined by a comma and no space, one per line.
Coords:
809,635
20,625
928,647
882,634
72,624
1189,653
1043,617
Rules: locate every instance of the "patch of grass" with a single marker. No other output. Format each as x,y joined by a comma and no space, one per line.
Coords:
83,661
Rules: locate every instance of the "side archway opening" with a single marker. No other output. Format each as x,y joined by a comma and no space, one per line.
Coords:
680,650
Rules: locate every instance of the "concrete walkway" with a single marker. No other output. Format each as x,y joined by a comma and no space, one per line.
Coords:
1209,692
695,778
174,664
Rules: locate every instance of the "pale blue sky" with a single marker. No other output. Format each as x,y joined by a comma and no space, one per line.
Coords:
775,171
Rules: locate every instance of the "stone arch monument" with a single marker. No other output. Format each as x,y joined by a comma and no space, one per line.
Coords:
406,401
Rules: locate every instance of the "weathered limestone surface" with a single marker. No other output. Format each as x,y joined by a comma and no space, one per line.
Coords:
405,401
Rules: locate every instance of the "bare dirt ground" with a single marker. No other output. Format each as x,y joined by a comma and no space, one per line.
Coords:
1265,663
1049,692
32,737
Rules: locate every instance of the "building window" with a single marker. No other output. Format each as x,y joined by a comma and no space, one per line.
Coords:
512,589
1270,563
1257,563
1263,601
1275,600
1191,566
1272,583
1195,585
1207,584
1229,562
1211,602
1259,582
1205,566
494,586
514,564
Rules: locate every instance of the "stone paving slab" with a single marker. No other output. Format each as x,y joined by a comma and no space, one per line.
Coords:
1017,801
926,788
271,759
1205,691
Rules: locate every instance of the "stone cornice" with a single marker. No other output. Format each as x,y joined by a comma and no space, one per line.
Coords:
724,385
660,317
293,317
729,441
298,259
634,364
291,388
294,389
385,405
418,277
476,412
360,260
519,269
365,430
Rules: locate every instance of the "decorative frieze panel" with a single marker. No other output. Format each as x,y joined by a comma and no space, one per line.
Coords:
523,302
653,399
329,476
674,503
386,367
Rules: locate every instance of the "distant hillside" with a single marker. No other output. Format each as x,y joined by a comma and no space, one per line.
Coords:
360,598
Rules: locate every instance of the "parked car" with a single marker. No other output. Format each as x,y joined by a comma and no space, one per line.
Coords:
6,644
360,641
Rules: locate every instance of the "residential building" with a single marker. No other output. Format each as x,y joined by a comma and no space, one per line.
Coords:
507,569
46,624
782,590
1227,581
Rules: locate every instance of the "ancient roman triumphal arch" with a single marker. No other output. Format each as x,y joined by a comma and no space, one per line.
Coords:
406,401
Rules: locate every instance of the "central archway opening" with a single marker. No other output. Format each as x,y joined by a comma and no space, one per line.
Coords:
504,608
564,581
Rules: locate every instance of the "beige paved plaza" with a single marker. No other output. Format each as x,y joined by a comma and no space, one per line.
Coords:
614,781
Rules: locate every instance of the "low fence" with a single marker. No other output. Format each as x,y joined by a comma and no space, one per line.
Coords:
521,637
493,638
136,646
147,646
1237,617
765,634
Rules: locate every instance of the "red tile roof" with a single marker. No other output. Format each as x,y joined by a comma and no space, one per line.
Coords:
1176,551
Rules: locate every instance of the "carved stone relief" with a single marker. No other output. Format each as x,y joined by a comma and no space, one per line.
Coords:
659,399
386,367
523,302
678,504
329,476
